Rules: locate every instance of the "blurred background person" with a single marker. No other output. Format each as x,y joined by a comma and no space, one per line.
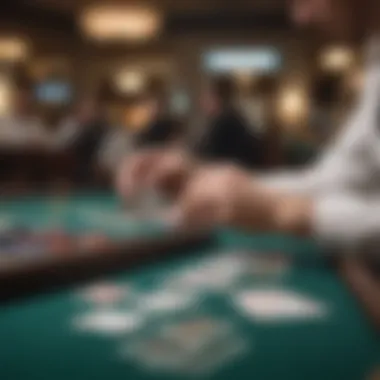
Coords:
324,113
116,145
22,127
273,154
159,127
82,134
227,135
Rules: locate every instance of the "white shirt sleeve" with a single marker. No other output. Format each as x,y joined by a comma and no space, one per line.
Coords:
348,163
301,182
347,221
345,184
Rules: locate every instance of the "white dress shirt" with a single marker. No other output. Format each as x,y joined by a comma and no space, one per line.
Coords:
345,182
116,146
66,133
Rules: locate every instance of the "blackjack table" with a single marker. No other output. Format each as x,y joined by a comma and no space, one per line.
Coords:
90,291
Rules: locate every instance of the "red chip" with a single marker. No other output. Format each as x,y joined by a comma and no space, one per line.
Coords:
93,242
104,294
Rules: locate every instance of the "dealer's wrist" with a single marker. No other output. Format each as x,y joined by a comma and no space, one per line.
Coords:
254,207
293,215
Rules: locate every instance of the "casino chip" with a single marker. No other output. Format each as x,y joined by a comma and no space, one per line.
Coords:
104,294
93,242
57,242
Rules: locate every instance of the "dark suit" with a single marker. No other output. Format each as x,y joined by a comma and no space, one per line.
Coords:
229,138
86,147
160,131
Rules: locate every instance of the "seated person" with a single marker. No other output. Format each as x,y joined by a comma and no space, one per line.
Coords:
22,128
82,134
118,143
337,202
228,135
160,128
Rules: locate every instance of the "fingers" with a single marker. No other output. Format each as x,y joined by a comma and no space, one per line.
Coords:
134,172
204,197
165,171
171,174
205,202
219,196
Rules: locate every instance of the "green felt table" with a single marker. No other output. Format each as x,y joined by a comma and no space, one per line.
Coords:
38,340
76,213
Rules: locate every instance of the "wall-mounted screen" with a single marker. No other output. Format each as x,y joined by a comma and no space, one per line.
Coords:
54,92
255,59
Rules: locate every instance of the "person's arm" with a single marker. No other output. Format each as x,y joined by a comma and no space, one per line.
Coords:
296,181
66,133
345,164
342,220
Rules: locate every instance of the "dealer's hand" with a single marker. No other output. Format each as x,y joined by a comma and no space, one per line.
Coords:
227,195
165,170
223,195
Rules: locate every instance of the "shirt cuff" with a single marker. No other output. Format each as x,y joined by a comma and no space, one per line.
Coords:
293,183
338,221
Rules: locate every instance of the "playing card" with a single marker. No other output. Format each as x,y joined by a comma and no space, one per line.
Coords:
165,301
195,334
155,353
192,346
217,273
198,279
226,270
107,322
214,359
272,305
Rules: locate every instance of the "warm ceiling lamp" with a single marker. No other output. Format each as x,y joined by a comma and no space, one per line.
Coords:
337,59
12,49
293,105
244,78
130,82
5,95
120,22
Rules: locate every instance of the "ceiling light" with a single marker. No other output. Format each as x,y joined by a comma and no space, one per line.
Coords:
337,59
120,22
293,105
12,49
5,95
130,82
